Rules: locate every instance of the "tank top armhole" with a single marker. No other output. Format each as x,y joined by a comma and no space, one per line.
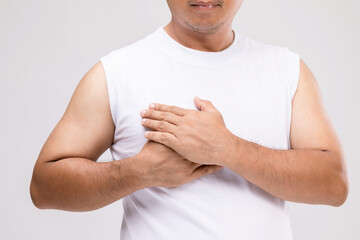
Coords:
293,71
107,62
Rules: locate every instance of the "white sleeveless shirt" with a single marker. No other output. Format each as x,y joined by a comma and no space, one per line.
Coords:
252,85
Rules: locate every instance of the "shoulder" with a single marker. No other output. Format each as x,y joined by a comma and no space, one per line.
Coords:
285,63
276,53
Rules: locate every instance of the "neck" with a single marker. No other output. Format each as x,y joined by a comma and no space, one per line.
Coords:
213,42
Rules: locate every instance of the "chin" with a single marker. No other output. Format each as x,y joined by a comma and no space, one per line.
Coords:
205,28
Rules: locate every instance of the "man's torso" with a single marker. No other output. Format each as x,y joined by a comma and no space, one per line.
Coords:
252,92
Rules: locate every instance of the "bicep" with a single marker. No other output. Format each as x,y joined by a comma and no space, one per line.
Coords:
86,129
310,126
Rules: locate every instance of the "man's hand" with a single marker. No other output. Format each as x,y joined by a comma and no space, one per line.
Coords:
162,166
199,136
312,171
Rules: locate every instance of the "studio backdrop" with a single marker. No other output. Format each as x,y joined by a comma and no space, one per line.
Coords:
46,47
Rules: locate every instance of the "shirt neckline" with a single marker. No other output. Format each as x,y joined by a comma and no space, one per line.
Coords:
196,57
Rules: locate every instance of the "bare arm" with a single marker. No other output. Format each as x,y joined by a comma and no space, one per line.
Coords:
314,170
66,175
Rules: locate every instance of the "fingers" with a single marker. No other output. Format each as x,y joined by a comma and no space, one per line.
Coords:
161,116
166,108
161,137
160,126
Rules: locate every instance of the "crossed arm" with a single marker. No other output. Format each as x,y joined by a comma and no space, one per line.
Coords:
312,171
66,175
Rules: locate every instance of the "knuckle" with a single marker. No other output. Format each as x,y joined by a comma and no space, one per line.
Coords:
163,116
171,108
161,125
163,138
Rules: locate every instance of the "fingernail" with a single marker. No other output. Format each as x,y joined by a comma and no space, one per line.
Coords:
143,112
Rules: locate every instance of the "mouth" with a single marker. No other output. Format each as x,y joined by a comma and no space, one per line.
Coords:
205,6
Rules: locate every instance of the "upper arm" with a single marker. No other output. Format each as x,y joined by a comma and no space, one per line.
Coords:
86,129
310,126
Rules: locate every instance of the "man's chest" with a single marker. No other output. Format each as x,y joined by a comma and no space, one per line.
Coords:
254,104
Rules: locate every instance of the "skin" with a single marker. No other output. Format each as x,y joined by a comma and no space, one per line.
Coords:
67,175
313,171
204,31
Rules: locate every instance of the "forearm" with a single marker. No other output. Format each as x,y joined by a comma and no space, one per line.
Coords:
301,175
78,184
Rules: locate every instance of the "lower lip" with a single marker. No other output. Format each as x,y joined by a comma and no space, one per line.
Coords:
205,8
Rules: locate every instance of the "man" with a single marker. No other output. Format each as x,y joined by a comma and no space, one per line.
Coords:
218,166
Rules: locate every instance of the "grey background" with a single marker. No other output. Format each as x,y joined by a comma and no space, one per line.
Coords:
47,46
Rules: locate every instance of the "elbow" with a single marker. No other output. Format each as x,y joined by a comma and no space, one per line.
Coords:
340,190
341,195
40,190
36,196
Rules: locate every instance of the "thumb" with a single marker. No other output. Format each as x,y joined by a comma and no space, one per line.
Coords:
204,105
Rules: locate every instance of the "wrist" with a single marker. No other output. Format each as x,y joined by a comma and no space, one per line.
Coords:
141,169
232,153
132,169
